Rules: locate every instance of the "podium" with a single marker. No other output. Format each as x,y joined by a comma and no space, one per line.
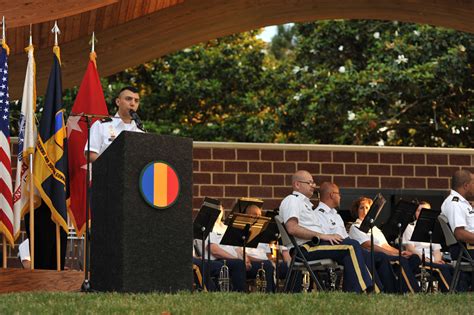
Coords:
135,246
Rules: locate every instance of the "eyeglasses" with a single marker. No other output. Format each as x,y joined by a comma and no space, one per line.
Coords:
309,182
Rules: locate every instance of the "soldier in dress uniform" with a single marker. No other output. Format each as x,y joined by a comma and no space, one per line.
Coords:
104,131
442,271
383,250
321,239
459,211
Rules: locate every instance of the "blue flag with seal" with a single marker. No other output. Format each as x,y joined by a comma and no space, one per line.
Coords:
50,163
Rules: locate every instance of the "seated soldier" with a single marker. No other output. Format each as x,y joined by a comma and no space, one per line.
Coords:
409,263
460,215
233,256
320,231
260,255
215,268
442,271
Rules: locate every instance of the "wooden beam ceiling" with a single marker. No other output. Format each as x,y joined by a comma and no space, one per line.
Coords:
133,32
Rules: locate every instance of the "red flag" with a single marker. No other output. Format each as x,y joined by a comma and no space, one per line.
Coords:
90,100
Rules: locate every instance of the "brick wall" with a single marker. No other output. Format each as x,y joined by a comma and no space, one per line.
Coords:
231,170
228,171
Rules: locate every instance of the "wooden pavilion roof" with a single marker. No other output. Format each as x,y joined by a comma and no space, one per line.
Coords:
131,32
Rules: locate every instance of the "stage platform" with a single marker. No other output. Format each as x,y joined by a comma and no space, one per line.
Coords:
24,280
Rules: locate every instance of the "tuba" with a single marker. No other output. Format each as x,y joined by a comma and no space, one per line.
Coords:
261,280
224,278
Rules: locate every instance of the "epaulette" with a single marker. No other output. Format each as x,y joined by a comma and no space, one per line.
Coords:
321,210
104,120
455,198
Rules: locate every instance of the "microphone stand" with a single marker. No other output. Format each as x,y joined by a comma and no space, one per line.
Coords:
86,286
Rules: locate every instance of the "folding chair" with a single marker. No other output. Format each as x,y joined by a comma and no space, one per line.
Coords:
464,261
299,262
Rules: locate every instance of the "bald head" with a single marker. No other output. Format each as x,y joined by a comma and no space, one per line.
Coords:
330,194
463,182
460,178
300,175
303,182
254,210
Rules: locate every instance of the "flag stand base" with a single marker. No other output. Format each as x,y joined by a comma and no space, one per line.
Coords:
24,280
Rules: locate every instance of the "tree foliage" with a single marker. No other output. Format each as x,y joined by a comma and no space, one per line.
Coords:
332,82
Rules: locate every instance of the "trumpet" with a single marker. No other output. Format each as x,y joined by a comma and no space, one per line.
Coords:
224,278
261,280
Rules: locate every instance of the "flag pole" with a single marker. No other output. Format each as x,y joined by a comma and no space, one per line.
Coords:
31,201
4,239
58,248
32,214
4,251
56,31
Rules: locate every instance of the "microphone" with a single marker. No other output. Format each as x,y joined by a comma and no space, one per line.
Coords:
136,118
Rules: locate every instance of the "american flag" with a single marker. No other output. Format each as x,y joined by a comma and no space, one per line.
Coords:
6,199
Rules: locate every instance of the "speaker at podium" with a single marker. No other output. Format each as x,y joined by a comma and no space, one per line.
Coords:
141,215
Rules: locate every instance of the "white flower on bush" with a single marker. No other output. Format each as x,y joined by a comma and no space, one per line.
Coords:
351,115
401,59
373,83
340,48
376,35
313,51
297,97
416,32
176,131
296,69
342,69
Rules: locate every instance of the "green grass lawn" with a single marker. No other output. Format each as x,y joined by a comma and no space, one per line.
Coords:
235,303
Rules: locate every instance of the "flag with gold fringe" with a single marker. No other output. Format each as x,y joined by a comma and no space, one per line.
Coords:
50,162
26,142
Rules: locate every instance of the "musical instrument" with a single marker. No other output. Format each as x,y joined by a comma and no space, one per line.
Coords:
306,281
261,280
224,284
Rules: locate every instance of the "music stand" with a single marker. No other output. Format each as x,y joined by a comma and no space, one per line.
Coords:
243,203
202,226
400,217
372,219
269,235
242,229
428,229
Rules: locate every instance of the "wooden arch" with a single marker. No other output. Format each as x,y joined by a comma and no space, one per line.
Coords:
132,32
